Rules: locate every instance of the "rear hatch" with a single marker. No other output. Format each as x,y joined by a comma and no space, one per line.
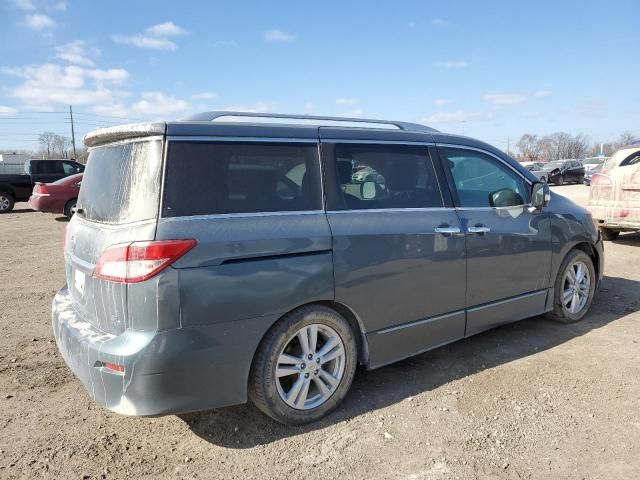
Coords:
118,204
614,196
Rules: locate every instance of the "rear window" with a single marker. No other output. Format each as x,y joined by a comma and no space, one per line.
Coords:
121,183
68,180
204,178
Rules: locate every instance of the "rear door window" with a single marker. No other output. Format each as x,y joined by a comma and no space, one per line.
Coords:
381,176
206,178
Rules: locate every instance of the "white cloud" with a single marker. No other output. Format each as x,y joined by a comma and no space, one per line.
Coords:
204,96
439,22
357,112
145,41
452,117
154,38
159,103
501,99
26,5
7,110
441,101
542,93
57,7
346,101
39,21
51,84
75,52
279,36
166,29
453,64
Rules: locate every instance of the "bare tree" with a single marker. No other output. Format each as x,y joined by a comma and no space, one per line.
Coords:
625,139
53,145
530,147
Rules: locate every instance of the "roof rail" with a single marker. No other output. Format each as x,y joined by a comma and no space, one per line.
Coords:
315,119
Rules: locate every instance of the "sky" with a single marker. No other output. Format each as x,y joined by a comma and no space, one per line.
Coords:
493,70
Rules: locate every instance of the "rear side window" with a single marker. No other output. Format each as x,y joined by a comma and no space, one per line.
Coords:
121,183
206,178
49,167
386,176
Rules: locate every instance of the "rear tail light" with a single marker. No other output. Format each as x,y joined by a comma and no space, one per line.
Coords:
139,261
113,367
41,188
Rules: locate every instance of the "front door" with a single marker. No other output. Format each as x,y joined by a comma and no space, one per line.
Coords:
398,257
508,245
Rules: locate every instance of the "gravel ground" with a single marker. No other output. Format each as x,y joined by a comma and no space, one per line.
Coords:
534,399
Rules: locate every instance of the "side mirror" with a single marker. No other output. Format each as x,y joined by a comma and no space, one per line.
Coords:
368,190
540,195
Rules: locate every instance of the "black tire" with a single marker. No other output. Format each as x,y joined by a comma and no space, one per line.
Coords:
560,180
609,234
7,202
581,179
69,207
263,386
560,312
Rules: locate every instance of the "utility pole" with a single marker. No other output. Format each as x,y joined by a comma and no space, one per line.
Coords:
73,133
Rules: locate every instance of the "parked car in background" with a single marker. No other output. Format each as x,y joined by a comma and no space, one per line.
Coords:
592,162
17,187
537,169
563,171
203,269
614,196
57,197
590,173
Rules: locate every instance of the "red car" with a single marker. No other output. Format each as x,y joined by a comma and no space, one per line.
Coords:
57,197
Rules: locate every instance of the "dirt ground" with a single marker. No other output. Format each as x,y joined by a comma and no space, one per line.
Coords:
534,399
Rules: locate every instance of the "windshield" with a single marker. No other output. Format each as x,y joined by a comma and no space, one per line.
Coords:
121,183
554,164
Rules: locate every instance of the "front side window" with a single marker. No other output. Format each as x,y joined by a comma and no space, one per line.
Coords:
483,181
386,176
204,178
69,168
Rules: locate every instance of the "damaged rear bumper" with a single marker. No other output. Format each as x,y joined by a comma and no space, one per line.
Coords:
165,372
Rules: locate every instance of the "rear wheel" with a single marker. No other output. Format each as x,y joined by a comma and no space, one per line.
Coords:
6,202
70,208
304,366
609,234
574,288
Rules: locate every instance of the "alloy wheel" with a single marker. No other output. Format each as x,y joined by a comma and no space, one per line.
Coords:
310,367
575,287
5,203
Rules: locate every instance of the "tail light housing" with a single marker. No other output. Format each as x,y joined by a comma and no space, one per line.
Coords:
139,261
41,189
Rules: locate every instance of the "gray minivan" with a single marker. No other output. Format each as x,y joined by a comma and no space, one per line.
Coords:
234,256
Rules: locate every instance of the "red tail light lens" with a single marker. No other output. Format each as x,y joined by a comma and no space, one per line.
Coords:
42,189
139,261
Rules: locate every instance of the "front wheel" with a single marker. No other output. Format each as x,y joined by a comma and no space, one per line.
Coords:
304,366
6,202
574,288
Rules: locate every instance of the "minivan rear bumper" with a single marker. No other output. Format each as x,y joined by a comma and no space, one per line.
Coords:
171,371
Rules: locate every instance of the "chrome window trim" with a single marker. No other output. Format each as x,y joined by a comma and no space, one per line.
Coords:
465,147
213,216
383,142
214,138
393,210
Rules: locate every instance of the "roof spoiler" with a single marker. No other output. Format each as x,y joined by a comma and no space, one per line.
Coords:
123,132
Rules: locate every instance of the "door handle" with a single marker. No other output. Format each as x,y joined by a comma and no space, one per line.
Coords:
447,229
479,229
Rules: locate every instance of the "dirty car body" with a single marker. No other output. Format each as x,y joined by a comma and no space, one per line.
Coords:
409,279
